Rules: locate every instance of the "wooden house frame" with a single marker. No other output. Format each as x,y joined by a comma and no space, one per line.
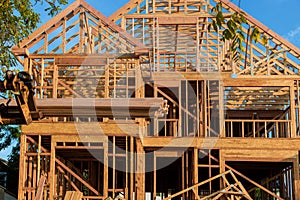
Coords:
149,103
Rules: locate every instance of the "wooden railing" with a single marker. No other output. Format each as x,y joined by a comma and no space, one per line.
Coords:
262,128
258,128
167,127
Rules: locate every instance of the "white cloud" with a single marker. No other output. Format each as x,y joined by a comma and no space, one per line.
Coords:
294,33
294,36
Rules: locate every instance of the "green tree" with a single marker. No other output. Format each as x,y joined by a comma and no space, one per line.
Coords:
18,19
233,31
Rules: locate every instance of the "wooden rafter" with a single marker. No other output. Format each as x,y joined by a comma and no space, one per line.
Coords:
103,85
259,61
117,36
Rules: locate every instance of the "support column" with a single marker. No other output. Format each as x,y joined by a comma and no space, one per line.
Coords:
131,167
195,178
296,177
140,171
221,110
293,113
22,166
51,178
154,176
222,166
105,165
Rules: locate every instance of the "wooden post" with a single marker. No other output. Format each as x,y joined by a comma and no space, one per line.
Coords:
26,63
131,167
51,179
268,59
296,177
222,166
39,158
205,110
64,36
195,178
105,170
221,110
22,167
182,173
154,176
140,173
293,113
81,33
55,80
42,79
114,167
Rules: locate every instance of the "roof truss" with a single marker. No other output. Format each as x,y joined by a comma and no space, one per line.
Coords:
177,30
79,29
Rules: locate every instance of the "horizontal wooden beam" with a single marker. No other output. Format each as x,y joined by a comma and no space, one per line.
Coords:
83,56
271,144
62,131
81,61
177,20
89,107
248,82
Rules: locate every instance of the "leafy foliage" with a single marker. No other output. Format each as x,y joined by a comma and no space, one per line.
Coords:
17,20
13,169
7,135
232,31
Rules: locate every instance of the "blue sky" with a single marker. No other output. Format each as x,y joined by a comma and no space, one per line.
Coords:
282,16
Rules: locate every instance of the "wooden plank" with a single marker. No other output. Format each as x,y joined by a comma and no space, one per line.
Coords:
140,173
241,82
73,195
51,179
87,107
196,185
81,61
270,144
187,20
76,176
195,174
132,183
113,26
105,169
69,88
293,111
22,167
296,177
254,183
89,128
40,188
49,24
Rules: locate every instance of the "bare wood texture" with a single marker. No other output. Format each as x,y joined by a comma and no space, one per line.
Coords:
284,144
152,83
77,107
140,173
41,184
73,195
93,128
